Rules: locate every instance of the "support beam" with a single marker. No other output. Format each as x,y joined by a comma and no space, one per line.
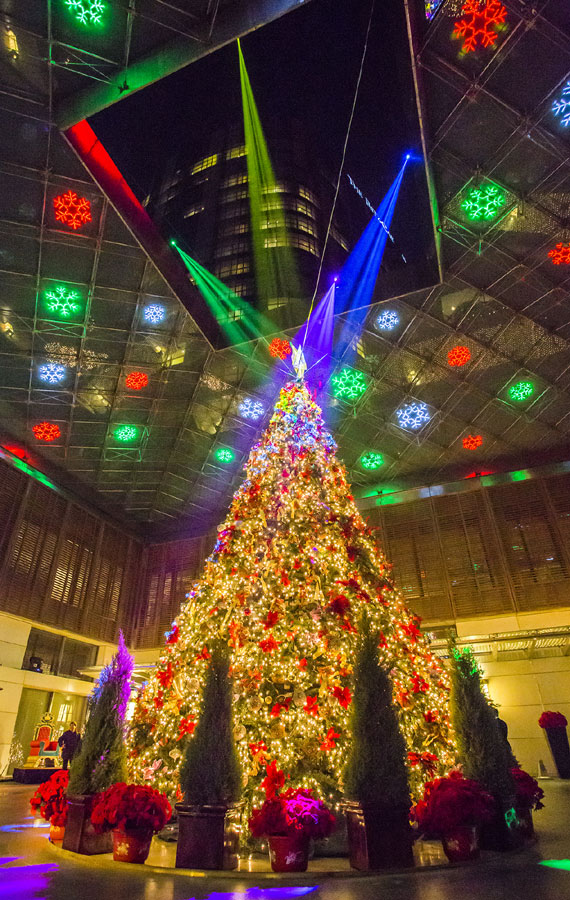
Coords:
232,21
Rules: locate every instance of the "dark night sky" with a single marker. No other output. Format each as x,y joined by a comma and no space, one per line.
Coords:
303,65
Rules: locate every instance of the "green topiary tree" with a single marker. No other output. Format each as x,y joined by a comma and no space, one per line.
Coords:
376,769
210,772
482,749
102,760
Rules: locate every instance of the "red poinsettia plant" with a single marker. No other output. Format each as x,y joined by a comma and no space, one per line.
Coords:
51,799
551,719
130,807
294,811
528,793
450,802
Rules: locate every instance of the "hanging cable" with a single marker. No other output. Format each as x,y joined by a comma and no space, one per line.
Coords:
351,117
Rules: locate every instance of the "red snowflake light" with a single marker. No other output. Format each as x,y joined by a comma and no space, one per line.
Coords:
72,210
472,441
560,254
459,356
478,25
46,431
280,348
136,380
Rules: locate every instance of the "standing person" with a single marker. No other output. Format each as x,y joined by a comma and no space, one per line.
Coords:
70,742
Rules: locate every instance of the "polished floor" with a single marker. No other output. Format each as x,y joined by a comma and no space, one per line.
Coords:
31,869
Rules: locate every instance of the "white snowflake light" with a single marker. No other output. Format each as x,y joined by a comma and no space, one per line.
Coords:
413,416
561,107
251,409
52,373
154,313
387,320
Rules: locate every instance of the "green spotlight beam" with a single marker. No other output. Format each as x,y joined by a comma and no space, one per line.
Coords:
275,270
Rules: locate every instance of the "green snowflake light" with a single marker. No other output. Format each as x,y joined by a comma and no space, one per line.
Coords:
484,203
371,460
224,455
126,433
87,12
349,384
521,391
62,301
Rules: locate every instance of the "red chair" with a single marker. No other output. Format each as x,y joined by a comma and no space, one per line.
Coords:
43,747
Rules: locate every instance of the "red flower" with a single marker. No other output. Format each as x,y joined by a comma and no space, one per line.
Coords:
165,676
130,806
258,751
528,793
269,644
382,643
427,760
418,684
302,663
329,742
451,802
51,799
204,654
311,706
411,629
173,635
285,579
158,701
273,781
339,605
551,719
430,716
297,564
276,710
186,726
343,695
270,619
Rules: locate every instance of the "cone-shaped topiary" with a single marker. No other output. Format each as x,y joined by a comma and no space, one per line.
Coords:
376,769
102,759
482,749
210,772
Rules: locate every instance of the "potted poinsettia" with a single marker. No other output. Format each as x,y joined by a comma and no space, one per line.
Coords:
454,808
133,813
528,796
210,778
51,800
376,778
289,820
554,724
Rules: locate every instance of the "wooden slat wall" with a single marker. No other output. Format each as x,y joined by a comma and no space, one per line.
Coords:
61,565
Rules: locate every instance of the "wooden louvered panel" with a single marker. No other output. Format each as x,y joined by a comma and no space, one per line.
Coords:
475,572
13,488
558,490
411,545
104,595
530,543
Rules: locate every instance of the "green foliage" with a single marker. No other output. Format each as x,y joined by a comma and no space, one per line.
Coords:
102,760
376,769
210,772
482,748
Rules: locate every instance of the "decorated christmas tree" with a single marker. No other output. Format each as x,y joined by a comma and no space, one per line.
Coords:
292,571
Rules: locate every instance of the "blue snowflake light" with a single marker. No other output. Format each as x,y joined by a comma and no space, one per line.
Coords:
561,106
413,416
154,313
52,373
251,409
387,320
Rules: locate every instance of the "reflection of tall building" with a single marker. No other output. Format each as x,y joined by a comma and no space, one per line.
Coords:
204,200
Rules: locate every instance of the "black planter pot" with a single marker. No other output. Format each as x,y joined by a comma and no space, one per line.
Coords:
502,833
379,836
208,836
558,742
80,836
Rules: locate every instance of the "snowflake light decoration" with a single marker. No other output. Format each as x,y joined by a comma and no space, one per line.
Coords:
431,7
52,373
280,348
251,409
154,313
522,390
413,416
459,356
387,320
349,384
126,433
371,460
483,203
46,431
136,381
72,210
472,441
62,301
561,107
87,12
479,23
560,255
224,455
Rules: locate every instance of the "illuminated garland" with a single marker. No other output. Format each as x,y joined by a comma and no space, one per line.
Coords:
293,569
